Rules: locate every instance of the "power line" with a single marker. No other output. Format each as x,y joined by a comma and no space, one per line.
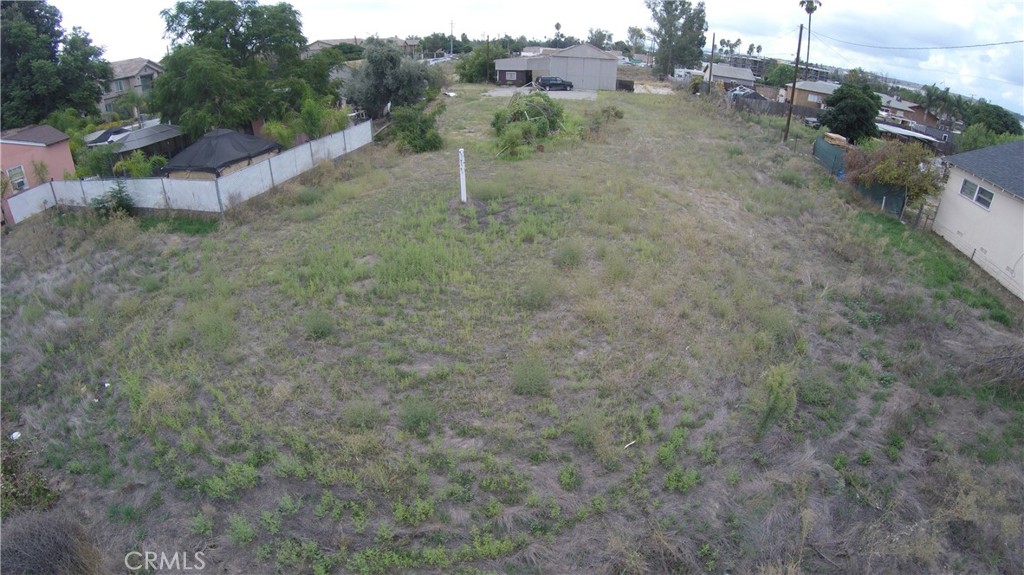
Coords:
919,47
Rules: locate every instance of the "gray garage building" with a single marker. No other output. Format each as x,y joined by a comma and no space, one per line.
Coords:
587,67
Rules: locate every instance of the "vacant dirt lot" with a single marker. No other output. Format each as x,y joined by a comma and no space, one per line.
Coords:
666,343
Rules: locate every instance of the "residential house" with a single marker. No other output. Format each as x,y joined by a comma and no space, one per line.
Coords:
809,94
28,153
982,211
731,76
137,74
586,66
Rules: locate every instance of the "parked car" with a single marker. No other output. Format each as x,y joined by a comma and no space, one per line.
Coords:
552,83
812,123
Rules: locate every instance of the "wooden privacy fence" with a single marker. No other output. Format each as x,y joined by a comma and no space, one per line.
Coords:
214,196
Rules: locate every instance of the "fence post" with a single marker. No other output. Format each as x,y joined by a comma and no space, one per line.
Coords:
53,193
167,199
270,166
81,184
220,203
311,158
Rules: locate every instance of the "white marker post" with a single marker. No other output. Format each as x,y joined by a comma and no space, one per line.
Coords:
462,174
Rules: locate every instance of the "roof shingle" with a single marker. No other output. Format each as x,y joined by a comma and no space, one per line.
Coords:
41,134
1000,165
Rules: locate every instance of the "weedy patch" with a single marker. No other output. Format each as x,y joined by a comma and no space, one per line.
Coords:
610,328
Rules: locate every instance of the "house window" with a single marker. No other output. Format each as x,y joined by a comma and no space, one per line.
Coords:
17,177
118,85
108,107
813,98
510,75
976,193
147,82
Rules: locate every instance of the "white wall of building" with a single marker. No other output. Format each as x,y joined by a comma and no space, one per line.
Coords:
993,236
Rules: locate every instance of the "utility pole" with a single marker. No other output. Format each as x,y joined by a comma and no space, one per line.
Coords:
711,64
792,94
451,40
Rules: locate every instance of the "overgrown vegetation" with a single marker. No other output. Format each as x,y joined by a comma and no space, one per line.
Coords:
526,121
683,354
893,163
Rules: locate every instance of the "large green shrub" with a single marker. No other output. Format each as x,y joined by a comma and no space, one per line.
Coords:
415,129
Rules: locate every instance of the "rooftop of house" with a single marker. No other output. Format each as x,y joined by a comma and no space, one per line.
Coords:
817,87
896,103
997,164
131,68
41,134
727,71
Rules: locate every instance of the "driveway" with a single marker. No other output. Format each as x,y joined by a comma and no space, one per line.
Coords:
506,92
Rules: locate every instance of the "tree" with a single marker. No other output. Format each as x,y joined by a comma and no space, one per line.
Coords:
809,6
557,40
479,65
730,47
894,163
679,33
995,118
130,104
241,30
599,38
851,112
42,69
778,74
200,90
977,136
636,37
385,78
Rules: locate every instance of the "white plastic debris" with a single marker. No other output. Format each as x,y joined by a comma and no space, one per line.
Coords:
16,435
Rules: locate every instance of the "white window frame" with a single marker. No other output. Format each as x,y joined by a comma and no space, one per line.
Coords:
17,182
977,194
510,75
119,85
813,98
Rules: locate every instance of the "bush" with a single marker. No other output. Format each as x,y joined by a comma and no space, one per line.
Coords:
418,416
416,130
531,377
682,480
569,254
775,398
570,477
116,201
51,543
526,120
240,530
318,325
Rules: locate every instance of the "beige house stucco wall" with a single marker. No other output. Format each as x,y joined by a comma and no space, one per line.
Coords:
994,236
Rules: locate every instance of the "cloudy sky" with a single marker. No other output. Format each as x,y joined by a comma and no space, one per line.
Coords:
845,33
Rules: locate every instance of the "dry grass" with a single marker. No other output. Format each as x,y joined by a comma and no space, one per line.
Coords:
416,372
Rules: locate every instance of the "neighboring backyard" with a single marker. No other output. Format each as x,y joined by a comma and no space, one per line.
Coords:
668,344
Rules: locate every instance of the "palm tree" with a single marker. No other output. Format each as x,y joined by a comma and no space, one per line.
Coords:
809,6
932,96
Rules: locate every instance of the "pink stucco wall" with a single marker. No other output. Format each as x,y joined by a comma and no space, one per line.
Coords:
57,158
